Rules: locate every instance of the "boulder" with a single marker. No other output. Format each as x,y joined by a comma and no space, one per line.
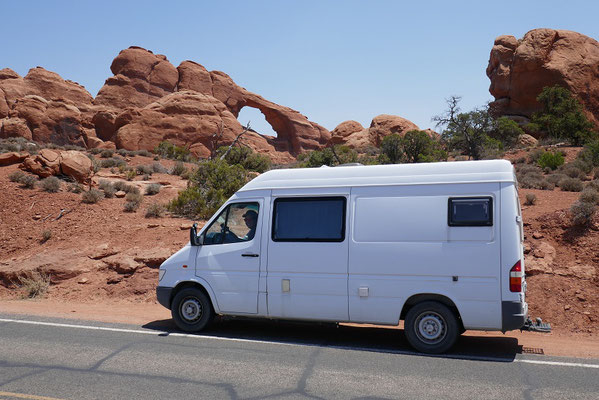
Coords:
527,140
385,125
520,69
74,164
343,131
11,158
15,127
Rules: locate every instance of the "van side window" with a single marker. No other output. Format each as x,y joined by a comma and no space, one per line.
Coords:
236,223
309,219
470,211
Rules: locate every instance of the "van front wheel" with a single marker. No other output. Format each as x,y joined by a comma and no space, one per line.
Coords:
191,310
431,327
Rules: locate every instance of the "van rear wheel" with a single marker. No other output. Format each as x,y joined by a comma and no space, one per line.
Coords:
191,310
431,327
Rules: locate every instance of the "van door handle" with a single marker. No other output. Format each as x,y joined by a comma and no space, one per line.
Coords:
249,255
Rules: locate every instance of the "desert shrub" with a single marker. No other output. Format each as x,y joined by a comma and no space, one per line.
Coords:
50,184
144,153
535,180
178,169
556,178
571,185
92,196
46,235
103,184
589,195
550,160
144,170
95,151
562,116
166,149
531,199
573,171
533,156
590,153
74,188
134,197
35,285
159,168
125,187
245,157
582,165
130,175
130,206
520,160
524,169
18,144
112,162
582,213
153,189
146,177
594,185
16,176
209,187
330,156
123,152
28,181
109,191
106,153
155,210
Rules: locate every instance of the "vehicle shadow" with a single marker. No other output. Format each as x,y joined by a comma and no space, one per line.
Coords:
350,337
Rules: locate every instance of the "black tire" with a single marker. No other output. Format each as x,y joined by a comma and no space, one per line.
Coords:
191,310
431,327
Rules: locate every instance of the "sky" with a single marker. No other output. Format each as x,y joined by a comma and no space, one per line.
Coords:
332,61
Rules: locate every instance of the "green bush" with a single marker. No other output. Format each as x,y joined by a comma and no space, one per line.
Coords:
506,131
337,155
550,160
153,189
590,153
562,116
50,184
571,185
92,196
210,186
166,149
245,157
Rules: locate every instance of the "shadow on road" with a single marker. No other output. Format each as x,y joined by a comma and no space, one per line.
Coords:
377,339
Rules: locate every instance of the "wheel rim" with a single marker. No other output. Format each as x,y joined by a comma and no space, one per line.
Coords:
430,327
191,310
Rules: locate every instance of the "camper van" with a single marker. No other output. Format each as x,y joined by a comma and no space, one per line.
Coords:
437,245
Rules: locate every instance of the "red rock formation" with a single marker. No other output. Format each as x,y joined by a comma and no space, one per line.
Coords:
352,134
140,78
519,70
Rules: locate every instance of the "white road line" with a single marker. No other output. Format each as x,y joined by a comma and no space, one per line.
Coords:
185,335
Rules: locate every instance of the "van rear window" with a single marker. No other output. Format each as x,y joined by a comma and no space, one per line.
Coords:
309,219
470,211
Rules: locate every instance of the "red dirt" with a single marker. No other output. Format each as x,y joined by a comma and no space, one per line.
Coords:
103,261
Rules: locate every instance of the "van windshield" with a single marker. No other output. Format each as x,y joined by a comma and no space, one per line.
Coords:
236,223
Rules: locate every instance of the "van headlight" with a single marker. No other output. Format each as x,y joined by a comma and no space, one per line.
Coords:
161,273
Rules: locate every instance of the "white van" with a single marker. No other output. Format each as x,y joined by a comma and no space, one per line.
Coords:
437,245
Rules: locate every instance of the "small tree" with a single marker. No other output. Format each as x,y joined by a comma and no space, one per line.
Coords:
418,146
391,150
562,116
330,156
506,131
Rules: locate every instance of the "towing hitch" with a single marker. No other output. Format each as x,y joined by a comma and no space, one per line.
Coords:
537,326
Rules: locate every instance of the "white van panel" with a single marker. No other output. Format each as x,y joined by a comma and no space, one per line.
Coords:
395,270
397,214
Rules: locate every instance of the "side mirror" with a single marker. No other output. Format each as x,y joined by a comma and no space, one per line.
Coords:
193,235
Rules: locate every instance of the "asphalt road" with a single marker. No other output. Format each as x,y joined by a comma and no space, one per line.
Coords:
248,359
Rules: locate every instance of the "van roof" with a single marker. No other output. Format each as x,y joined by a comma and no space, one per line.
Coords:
382,175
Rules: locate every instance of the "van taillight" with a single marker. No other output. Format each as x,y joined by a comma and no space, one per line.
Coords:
516,277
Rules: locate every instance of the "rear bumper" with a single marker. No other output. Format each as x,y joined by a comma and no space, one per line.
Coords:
513,315
163,294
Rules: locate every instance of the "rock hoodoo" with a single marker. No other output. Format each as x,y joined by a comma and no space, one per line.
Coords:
520,69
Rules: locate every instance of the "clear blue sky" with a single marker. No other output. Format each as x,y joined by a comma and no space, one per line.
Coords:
331,60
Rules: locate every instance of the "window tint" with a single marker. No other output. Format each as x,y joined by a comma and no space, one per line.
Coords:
314,219
471,211
236,223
